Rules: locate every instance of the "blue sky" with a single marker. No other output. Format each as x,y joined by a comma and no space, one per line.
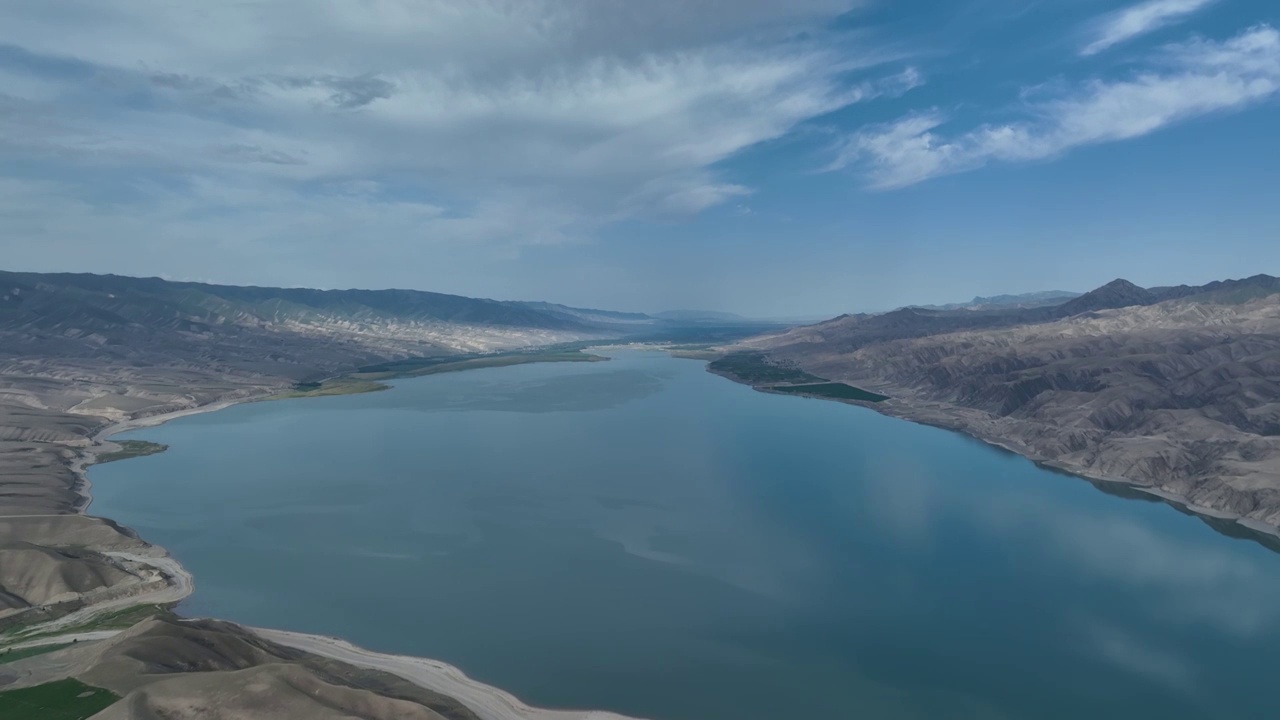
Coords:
769,157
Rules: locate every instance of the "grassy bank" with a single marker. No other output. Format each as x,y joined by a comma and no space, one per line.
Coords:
765,373
837,391
11,655
336,386
756,368
121,619
131,449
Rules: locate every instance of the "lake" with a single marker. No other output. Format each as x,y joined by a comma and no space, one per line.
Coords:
644,537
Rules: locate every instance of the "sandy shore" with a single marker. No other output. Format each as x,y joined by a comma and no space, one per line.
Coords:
489,702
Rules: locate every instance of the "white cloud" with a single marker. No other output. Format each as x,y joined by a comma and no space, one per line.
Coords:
1189,582
1184,81
1140,657
1128,23
526,120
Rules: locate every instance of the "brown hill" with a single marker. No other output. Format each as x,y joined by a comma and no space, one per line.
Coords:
1181,396
175,669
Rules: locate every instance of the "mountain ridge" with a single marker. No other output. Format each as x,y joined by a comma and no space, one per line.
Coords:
1023,300
105,297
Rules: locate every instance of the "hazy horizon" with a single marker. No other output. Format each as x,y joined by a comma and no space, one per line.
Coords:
766,158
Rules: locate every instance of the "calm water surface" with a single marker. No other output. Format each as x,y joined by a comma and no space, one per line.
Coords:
644,537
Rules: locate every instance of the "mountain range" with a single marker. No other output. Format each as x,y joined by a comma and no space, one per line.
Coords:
1032,299
83,304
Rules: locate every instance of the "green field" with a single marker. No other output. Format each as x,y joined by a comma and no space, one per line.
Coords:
118,619
8,656
62,700
838,391
132,449
336,386
755,368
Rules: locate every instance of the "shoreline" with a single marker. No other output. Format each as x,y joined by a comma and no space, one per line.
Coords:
486,701
1180,502
88,454
901,410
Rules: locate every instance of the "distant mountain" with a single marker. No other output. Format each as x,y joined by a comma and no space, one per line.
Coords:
1115,294
92,302
1024,300
1122,293
700,316
270,331
1223,291
591,316
1031,299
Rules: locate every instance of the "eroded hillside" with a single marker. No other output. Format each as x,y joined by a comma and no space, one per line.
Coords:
1179,395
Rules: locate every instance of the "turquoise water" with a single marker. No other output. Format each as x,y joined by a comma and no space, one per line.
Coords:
644,537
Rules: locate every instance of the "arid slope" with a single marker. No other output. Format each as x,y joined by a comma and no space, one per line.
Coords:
177,669
1180,395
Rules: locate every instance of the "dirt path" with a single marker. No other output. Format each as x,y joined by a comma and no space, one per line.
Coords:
63,639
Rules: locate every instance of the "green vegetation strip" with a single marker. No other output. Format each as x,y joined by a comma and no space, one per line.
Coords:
339,386
62,700
132,449
839,391
8,656
116,620
756,368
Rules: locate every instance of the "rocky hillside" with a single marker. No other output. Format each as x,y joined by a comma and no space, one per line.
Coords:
79,351
1174,389
91,315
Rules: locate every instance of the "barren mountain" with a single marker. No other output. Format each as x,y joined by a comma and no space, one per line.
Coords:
995,302
38,575
1181,395
108,317
1115,294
